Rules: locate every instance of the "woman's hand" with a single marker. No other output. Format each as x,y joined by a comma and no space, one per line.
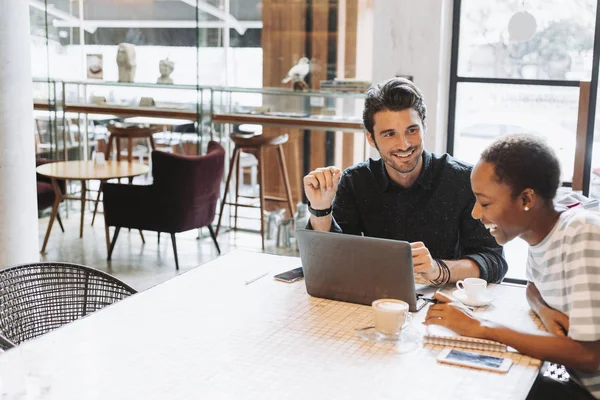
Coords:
555,322
454,316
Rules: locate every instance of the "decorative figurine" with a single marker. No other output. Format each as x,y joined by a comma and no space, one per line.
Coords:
94,66
297,74
126,62
165,67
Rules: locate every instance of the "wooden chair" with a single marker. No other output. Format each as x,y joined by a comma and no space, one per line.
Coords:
119,131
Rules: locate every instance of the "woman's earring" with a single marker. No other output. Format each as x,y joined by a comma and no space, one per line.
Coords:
526,208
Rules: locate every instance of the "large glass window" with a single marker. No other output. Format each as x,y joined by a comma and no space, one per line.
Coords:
501,86
198,43
485,111
561,49
204,41
105,60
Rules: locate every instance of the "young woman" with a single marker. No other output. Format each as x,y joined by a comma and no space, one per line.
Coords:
514,184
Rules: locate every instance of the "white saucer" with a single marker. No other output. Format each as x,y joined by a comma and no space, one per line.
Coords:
408,341
462,297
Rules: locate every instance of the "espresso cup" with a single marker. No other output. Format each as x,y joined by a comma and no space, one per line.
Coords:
473,288
391,317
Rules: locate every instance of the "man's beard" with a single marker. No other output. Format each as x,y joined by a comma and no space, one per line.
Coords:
402,168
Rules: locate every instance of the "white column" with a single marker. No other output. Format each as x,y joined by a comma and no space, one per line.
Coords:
18,194
414,38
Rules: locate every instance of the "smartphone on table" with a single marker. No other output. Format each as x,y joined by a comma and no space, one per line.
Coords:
290,276
474,360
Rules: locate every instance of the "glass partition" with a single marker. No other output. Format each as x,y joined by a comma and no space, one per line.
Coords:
159,56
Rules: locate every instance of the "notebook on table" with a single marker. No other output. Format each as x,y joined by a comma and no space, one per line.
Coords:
439,335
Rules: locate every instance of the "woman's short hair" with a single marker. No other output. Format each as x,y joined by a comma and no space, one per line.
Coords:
525,161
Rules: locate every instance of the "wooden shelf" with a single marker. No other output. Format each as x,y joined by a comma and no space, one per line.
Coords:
131,111
292,122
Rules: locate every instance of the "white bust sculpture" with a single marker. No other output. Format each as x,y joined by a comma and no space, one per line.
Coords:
126,62
165,67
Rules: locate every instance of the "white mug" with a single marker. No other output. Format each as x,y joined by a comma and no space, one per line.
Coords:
391,316
99,158
473,288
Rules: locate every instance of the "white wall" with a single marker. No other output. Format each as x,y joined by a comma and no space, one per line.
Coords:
413,38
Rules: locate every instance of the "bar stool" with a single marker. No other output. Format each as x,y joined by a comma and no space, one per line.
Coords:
256,145
120,131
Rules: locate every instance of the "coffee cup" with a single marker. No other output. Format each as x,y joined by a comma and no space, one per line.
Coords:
391,316
473,288
99,159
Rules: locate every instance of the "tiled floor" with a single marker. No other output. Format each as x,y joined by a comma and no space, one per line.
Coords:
140,265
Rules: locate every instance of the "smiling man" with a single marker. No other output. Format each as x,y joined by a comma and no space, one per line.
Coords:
408,194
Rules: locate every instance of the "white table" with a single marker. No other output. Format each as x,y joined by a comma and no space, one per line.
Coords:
207,335
158,121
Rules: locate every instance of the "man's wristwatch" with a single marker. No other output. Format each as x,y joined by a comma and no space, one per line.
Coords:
319,213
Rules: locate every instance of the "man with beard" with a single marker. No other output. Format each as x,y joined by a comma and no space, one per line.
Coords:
408,194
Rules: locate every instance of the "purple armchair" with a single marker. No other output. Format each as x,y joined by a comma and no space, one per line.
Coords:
45,191
183,196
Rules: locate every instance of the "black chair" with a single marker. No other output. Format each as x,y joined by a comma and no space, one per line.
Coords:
5,344
37,298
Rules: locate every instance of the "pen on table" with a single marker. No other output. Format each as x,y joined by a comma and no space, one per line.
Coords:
436,301
256,278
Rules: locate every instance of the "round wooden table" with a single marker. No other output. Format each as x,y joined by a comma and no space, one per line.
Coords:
84,171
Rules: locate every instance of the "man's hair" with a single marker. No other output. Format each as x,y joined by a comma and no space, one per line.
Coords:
396,94
525,161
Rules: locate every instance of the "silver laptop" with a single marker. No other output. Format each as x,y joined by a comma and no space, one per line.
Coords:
357,269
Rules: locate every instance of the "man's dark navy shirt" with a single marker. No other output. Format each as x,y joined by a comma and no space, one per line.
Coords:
435,210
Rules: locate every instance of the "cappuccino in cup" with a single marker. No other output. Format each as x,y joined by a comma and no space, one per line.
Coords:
390,316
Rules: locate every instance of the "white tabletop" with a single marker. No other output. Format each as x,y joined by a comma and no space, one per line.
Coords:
257,129
207,335
158,121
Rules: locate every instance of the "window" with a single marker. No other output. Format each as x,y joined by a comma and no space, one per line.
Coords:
499,86
560,50
191,33
485,111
